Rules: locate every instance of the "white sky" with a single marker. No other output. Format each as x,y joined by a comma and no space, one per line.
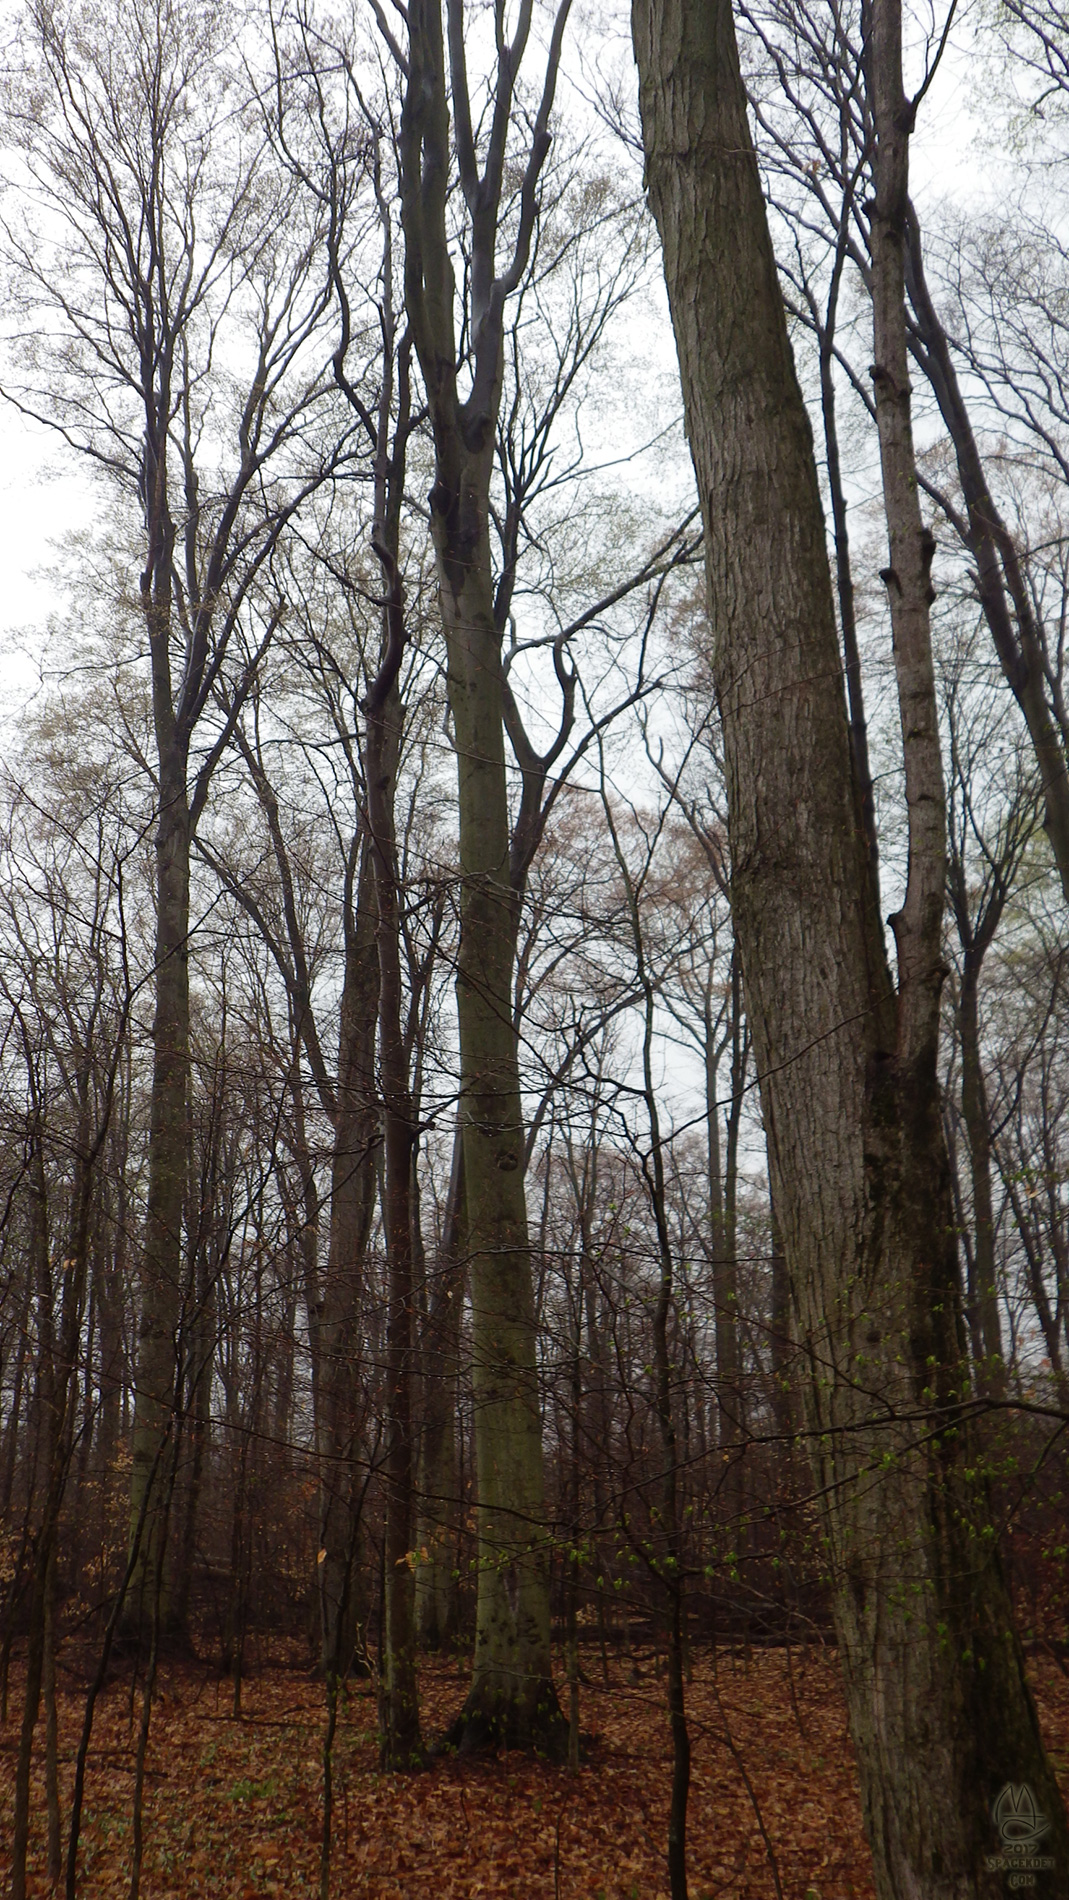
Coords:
39,502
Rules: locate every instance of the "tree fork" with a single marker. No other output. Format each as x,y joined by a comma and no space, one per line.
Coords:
512,1700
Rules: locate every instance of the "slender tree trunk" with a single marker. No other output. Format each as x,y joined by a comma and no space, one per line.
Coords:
1038,1268
724,1266
48,1684
728,1332
668,1542
436,1583
15,1421
201,1356
336,1331
57,1396
112,1286
575,1515
939,1707
992,1370
159,1329
844,582
1005,599
401,1743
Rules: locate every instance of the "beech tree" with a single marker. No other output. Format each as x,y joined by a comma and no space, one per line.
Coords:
512,1694
499,149
940,1709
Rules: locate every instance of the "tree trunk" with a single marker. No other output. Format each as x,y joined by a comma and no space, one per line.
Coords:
401,1743
729,1371
992,1369
780,1350
939,1707
1005,599
336,1372
436,1583
159,1344
200,1364
512,1698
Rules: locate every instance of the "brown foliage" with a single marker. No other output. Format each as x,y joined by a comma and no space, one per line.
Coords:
233,1808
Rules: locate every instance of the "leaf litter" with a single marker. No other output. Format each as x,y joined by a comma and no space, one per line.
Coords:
233,1807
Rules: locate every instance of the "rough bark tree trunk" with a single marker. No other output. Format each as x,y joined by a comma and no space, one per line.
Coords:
940,1711
780,1348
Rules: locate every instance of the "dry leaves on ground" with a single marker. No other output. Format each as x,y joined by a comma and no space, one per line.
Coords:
233,1808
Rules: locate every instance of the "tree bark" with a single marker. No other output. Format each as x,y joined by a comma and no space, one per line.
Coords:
512,1699
336,1336
974,1108
940,1711
401,1742
780,1346
436,1583
159,1378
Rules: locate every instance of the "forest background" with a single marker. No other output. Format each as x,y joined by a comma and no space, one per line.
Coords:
387,1255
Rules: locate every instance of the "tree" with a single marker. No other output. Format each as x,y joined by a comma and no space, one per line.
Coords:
977,330
992,819
177,254
69,993
940,1710
512,1696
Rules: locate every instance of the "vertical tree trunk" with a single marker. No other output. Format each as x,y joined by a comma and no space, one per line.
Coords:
401,1743
436,1583
667,1541
512,1697
974,1108
780,1353
1007,604
159,1380
48,1684
15,1417
724,1265
336,1329
201,1362
939,1707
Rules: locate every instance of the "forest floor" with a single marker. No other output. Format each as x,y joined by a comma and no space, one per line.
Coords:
233,1807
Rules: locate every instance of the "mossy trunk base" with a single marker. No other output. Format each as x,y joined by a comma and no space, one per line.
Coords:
525,1716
